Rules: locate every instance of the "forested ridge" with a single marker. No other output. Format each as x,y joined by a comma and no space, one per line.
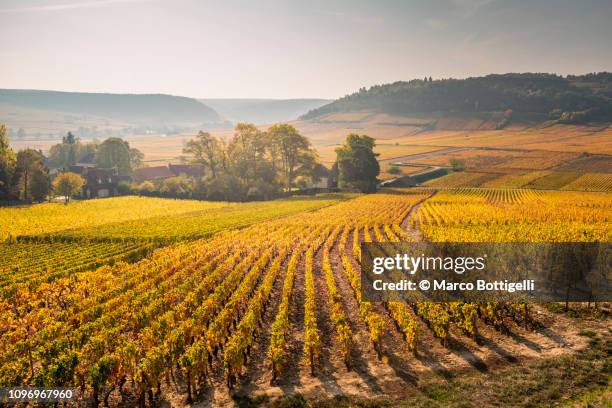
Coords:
570,99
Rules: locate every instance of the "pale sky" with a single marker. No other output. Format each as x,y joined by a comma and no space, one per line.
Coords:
290,49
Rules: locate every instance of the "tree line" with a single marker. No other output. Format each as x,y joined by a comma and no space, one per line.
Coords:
251,165
25,174
571,99
256,164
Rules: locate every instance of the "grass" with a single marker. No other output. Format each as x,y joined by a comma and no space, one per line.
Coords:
581,379
579,310
599,397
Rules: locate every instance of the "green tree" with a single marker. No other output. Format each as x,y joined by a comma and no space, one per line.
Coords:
178,186
357,163
115,152
457,164
27,161
394,170
205,150
71,141
68,185
246,152
136,158
39,183
7,164
70,152
294,151
145,187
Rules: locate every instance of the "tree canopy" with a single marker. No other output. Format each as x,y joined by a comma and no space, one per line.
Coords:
252,164
7,164
28,163
68,185
294,150
115,152
357,164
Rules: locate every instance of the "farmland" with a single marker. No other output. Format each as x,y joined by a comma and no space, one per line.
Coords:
271,300
147,218
467,214
591,182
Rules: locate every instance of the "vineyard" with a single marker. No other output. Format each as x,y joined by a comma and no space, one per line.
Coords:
540,180
27,265
473,215
462,179
147,218
271,306
556,138
591,182
513,180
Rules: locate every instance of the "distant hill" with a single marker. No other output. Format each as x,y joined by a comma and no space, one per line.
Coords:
263,111
151,109
571,99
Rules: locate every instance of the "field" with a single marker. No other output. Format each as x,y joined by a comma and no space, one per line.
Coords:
386,152
403,170
269,305
147,218
501,159
514,180
27,265
556,138
591,182
553,181
462,179
468,214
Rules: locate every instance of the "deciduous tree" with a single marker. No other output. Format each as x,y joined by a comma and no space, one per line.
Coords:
39,184
115,152
357,164
7,164
294,150
68,185
27,161
205,150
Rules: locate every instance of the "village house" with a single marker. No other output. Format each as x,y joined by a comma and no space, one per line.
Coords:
99,182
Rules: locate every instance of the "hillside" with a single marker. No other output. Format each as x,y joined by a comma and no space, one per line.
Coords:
262,111
571,99
153,109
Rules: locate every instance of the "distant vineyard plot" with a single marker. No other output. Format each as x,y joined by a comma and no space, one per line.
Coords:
508,215
462,179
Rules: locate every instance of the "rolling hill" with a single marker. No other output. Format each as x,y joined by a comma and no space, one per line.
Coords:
261,111
152,109
570,99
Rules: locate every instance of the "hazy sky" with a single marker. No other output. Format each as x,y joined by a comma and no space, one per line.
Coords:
286,49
